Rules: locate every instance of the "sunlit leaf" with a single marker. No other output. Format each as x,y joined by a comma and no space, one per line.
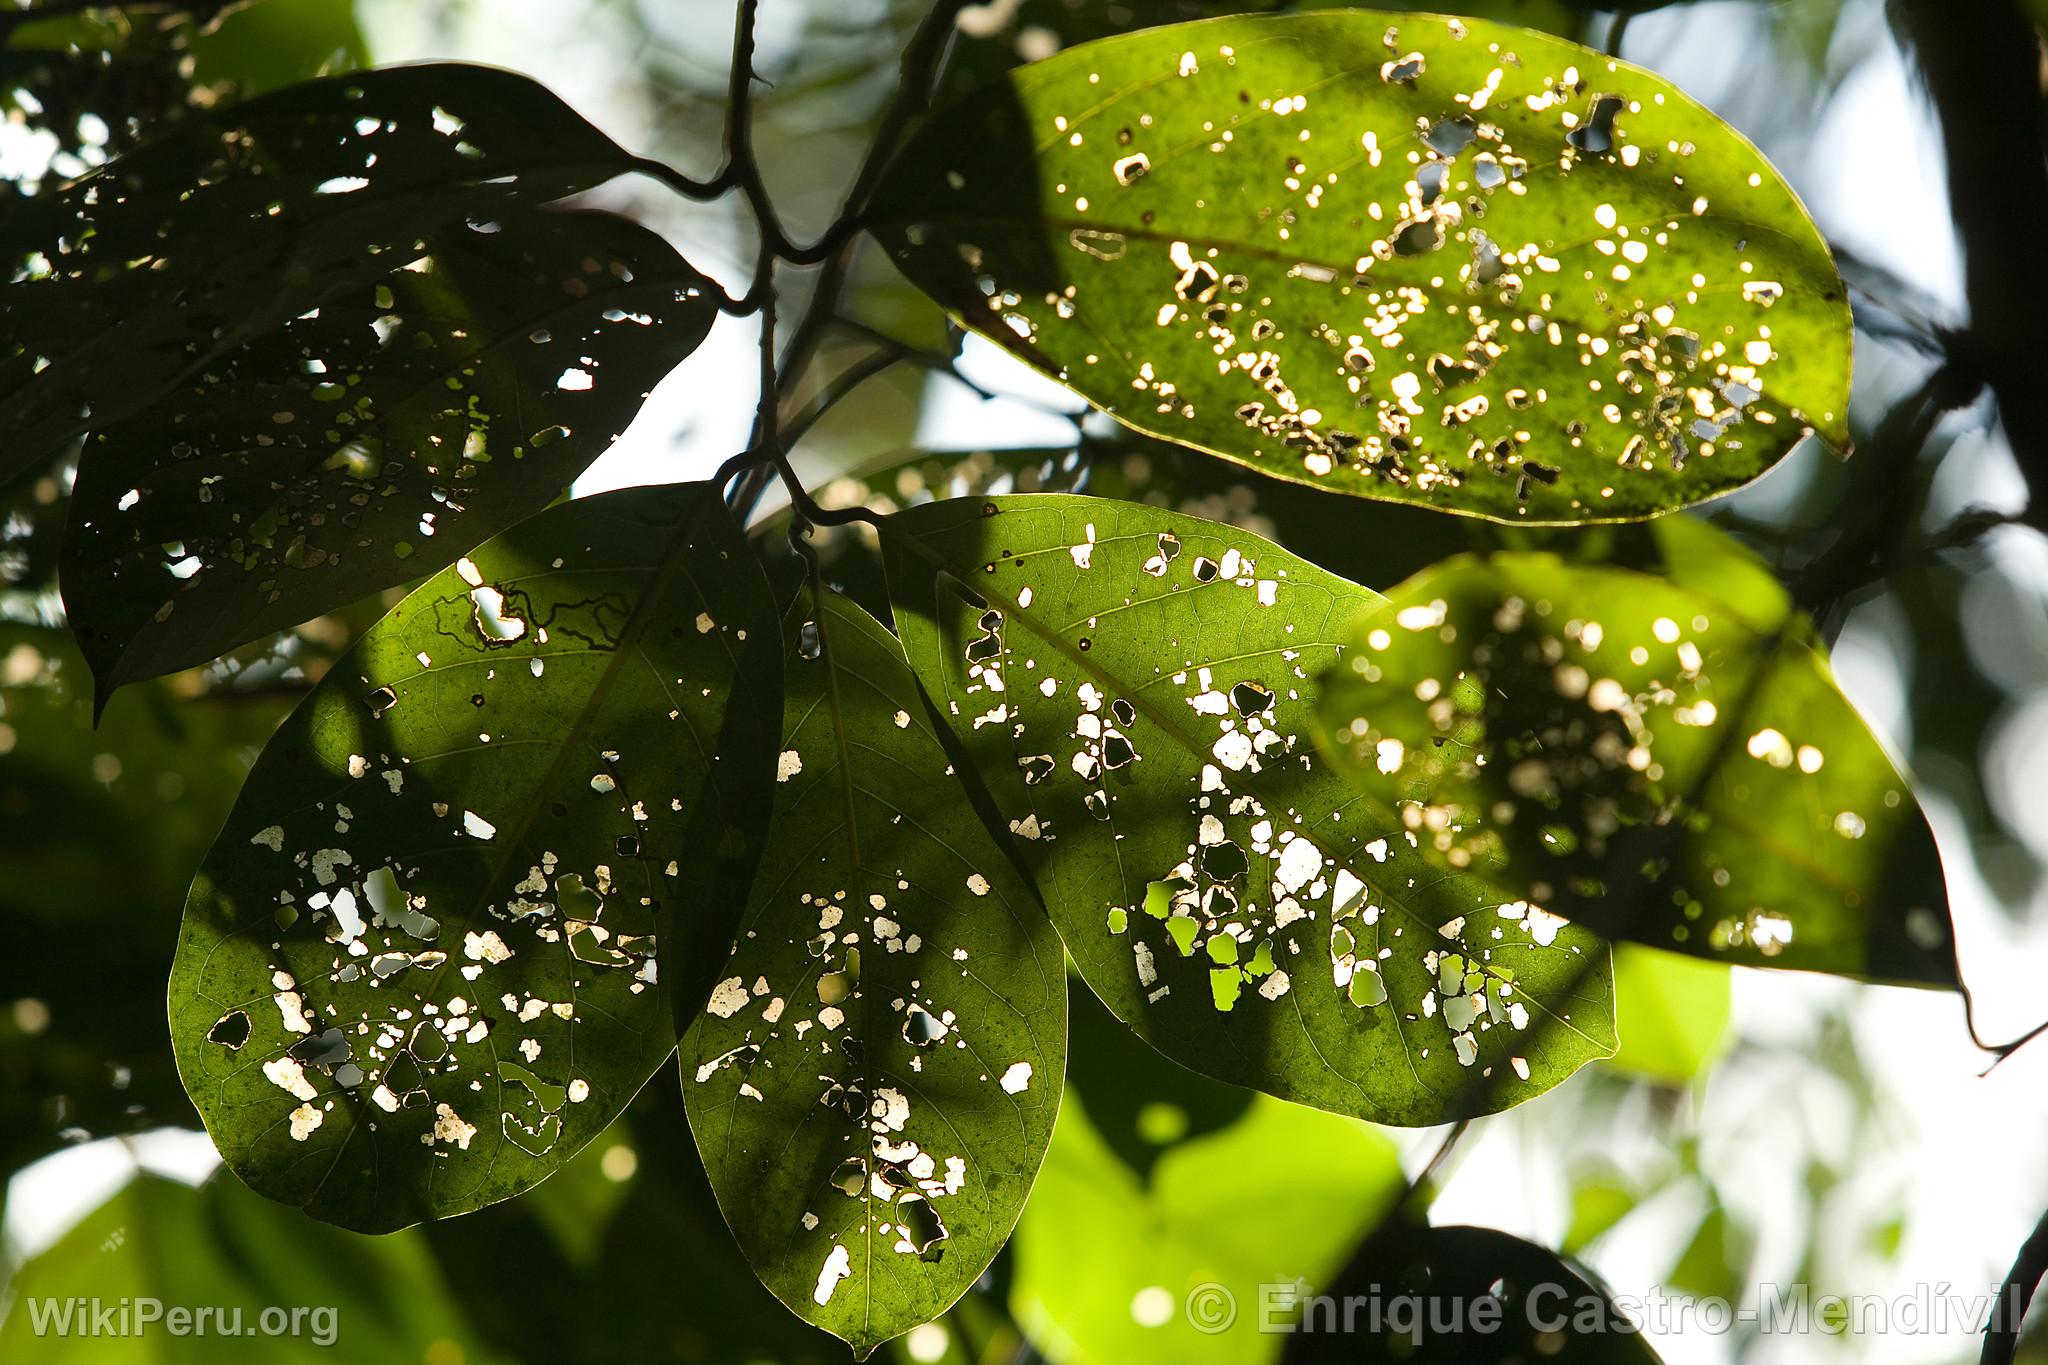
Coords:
1134,686
373,440
275,1290
1190,1264
1432,260
419,968
1671,1013
1455,1295
873,1083
1659,762
243,217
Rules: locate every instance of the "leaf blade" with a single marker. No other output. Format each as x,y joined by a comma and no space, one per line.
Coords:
250,215
374,441
1211,251
973,1044
1157,823
1708,790
454,815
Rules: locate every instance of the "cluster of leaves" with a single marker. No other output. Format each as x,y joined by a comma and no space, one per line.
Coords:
614,783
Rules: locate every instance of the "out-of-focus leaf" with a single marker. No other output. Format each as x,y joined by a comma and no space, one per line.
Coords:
373,440
1598,1204
243,217
1459,1295
99,832
1142,1105
279,1290
1655,761
1709,1265
419,969
1431,260
873,1083
260,47
1114,1268
1671,1013
1133,684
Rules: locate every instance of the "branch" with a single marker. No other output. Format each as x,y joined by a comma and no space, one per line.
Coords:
2002,1333
1982,64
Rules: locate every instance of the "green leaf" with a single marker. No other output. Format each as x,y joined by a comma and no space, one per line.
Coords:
1656,761
373,440
547,762
1430,260
1132,683
220,1250
1113,1268
874,1082
244,217
1672,1013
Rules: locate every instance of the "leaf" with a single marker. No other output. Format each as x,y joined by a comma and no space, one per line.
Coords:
1112,1268
1430,260
373,440
874,1082
1451,1295
244,217
1132,684
419,969
1672,1014
100,829
578,1252
1141,1105
1656,761
285,1291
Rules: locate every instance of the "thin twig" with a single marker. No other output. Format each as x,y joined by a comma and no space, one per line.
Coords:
913,96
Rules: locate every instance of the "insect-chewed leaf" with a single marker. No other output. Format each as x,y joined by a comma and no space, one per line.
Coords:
139,274
1133,684
1430,260
418,970
373,439
1657,761
874,1082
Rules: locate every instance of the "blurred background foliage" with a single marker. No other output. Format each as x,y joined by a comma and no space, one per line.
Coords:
1749,1129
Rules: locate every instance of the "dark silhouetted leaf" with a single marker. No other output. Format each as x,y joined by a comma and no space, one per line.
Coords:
1431,260
1132,683
373,440
243,217
1663,763
1464,1296
437,905
874,1082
